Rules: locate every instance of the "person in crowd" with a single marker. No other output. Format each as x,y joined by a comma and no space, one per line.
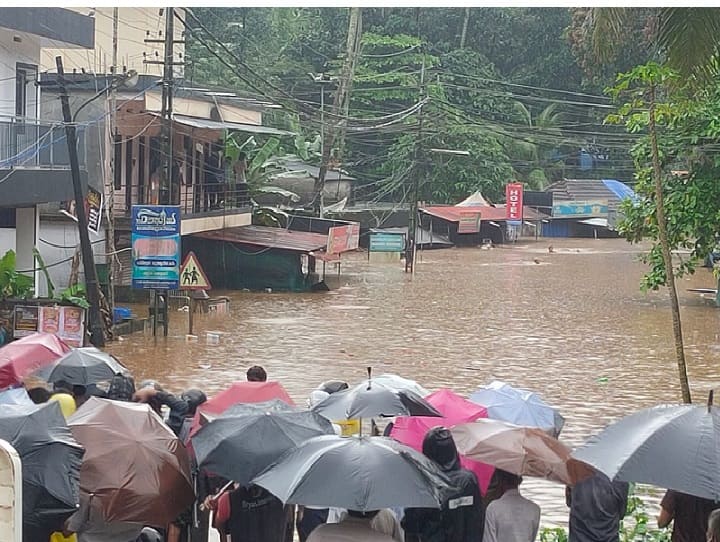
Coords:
385,521
461,517
512,517
38,395
597,505
251,514
80,394
688,513
121,388
713,527
256,374
66,402
310,517
355,526
180,407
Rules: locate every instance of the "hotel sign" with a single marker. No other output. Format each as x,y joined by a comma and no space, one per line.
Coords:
514,201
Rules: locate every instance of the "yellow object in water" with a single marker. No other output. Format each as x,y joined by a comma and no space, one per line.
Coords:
67,403
59,537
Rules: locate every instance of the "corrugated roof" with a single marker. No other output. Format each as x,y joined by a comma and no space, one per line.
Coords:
453,214
587,190
263,236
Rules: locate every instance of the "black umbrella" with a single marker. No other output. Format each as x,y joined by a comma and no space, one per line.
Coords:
84,366
358,473
51,460
370,399
247,409
239,447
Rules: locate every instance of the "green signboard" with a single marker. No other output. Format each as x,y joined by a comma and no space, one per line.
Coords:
387,242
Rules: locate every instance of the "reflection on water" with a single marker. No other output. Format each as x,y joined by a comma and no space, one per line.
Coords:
571,325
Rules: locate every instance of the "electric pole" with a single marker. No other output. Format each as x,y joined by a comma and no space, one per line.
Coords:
340,103
110,182
419,157
97,333
167,95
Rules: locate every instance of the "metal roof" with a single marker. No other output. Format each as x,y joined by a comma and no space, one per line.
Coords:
263,236
453,214
196,122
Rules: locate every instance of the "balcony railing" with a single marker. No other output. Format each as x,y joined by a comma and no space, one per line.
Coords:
31,143
197,199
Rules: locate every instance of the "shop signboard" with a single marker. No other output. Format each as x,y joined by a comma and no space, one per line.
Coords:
343,238
514,201
387,242
469,222
572,209
156,247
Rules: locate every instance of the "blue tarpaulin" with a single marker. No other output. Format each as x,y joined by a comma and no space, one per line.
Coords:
621,190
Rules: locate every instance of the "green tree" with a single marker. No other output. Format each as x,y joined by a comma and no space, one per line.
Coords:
676,210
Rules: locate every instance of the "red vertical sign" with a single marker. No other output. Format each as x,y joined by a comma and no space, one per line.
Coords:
514,201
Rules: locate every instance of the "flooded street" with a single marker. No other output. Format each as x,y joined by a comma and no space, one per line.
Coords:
573,327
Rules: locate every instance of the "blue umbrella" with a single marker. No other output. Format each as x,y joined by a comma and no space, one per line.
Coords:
15,396
518,406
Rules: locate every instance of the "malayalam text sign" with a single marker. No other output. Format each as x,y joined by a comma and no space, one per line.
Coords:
469,222
569,209
343,238
156,246
387,242
514,201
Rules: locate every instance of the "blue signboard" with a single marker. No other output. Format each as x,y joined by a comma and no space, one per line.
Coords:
156,246
387,242
568,209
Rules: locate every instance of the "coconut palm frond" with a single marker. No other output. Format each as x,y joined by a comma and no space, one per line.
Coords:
523,112
689,38
605,27
548,117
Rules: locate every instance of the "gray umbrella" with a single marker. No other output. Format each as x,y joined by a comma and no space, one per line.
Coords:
672,446
369,400
84,366
357,473
239,447
51,460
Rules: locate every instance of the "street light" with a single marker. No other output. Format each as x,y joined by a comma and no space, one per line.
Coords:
97,333
322,79
128,79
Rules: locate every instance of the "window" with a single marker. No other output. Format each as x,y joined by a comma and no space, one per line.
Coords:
25,90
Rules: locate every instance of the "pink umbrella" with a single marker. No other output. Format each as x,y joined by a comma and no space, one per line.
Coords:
411,430
25,356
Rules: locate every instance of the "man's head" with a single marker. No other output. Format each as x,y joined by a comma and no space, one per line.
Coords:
39,395
713,531
507,480
256,374
439,446
194,399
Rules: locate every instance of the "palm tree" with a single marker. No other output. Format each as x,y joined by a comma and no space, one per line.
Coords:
688,38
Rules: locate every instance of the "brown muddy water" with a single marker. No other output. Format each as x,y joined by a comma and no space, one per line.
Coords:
573,327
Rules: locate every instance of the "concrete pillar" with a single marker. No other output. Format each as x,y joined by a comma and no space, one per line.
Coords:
27,229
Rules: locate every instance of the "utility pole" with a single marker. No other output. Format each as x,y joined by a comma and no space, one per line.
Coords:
466,22
340,103
110,186
167,96
97,334
419,157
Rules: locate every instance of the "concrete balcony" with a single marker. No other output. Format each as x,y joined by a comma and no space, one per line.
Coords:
34,162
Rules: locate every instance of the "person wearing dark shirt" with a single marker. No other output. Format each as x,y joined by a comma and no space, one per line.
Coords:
689,515
596,507
462,516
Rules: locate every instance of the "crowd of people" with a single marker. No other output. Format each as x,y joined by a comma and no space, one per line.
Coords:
252,514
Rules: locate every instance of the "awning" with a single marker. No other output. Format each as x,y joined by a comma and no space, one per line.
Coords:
268,237
207,124
597,222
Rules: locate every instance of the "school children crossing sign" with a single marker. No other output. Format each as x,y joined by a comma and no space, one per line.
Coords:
192,276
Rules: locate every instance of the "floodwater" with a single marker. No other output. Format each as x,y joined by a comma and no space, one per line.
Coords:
571,325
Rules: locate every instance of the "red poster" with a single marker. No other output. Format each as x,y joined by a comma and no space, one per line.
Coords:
72,326
49,320
514,201
343,238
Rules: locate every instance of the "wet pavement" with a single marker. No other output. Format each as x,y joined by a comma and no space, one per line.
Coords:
571,325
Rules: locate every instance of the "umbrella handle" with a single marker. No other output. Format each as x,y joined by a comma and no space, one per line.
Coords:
369,372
